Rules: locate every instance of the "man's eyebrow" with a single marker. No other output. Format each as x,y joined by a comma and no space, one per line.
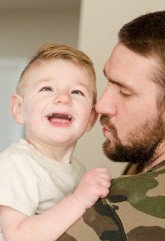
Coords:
119,83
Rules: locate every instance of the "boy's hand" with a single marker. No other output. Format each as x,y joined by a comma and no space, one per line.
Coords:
93,185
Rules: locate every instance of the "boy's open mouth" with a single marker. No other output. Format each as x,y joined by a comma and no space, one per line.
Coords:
54,117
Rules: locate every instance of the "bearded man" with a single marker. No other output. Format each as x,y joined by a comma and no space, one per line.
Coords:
132,110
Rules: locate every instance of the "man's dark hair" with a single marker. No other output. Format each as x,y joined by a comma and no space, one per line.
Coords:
145,35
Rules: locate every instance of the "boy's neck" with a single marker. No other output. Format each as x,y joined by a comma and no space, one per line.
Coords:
61,153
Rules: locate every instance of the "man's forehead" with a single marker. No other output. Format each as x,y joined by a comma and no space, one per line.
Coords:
124,65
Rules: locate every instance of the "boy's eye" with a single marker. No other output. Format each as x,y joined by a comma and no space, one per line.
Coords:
46,88
77,92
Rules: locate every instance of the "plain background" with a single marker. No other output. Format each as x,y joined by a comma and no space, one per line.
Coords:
90,25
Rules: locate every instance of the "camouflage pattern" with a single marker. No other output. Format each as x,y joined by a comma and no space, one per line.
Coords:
134,210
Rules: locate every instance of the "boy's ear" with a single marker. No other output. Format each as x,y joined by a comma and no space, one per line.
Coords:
16,108
92,119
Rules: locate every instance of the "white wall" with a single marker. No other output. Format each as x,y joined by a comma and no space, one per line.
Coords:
99,24
24,30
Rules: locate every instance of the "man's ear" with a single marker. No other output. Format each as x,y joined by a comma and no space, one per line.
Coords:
92,119
16,108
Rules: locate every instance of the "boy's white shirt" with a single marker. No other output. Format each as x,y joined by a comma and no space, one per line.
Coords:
31,182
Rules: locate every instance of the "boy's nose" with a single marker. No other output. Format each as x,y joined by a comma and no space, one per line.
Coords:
106,104
62,97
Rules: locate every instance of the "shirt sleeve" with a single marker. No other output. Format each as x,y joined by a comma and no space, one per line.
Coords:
18,184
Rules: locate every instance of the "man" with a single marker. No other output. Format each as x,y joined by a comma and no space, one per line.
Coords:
132,112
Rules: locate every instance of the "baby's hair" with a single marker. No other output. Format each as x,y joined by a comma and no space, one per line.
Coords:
60,52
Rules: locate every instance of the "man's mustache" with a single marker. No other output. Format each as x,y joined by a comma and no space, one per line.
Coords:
105,121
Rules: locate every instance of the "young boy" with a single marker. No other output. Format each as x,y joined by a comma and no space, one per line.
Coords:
55,100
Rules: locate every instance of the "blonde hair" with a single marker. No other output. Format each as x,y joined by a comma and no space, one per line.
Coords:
63,52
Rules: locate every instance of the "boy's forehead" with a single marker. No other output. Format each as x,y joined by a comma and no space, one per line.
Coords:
44,70
47,66
41,64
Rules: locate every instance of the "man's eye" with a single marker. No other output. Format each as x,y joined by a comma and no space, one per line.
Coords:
46,88
125,93
77,92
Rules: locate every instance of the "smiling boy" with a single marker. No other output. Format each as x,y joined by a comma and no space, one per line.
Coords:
55,100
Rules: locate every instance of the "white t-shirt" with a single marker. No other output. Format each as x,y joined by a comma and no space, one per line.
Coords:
31,182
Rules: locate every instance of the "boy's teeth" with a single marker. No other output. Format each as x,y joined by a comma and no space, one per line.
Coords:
59,116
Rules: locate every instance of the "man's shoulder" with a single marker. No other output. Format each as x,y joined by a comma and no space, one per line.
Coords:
130,182
144,192
133,210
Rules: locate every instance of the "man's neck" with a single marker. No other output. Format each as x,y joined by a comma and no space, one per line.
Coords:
152,164
158,158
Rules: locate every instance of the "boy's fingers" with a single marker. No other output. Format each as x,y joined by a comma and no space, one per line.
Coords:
105,176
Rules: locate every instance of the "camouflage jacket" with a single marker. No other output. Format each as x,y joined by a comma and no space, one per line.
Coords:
134,210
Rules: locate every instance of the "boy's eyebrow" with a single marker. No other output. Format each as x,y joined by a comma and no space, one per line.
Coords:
49,81
119,83
85,86
42,81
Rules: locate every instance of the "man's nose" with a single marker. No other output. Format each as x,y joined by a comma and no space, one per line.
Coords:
106,104
62,97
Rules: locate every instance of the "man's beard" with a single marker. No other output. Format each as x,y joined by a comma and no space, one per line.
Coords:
141,145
